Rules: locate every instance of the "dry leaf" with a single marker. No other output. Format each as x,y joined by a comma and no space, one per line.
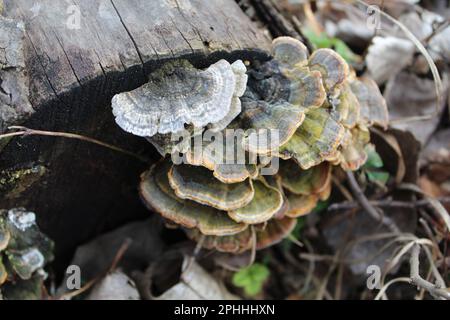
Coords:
115,286
408,95
388,56
179,277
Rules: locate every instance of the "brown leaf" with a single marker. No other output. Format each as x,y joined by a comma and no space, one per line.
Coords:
408,95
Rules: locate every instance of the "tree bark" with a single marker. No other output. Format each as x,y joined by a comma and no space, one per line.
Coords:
72,71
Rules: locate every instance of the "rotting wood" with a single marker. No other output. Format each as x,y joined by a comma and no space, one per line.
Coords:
73,74
14,82
271,15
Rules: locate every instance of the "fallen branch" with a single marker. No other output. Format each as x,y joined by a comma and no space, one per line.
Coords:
435,290
346,205
119,255
23,131
367,206
435,204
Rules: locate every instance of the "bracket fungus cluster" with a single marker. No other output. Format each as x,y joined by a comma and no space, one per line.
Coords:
24,251
307,113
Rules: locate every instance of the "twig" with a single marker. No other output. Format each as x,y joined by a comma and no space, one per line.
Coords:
311,268
199,245
367,206
323,286
428,58
342,189
12,134
119,255
254,242
195,253
382,292
24,131
437,206
386,203
416,279
443,25
430,235
294,240
439,280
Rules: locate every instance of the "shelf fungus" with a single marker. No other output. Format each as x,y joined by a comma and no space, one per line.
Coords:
223,153
178,95
193,198
198,184
304,188
372,104
24,251
258,237
306,113
157,193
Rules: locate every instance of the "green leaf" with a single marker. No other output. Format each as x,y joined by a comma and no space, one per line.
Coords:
251,278
252,289
378,176
321,205
373,159
322,40
345,52
318,40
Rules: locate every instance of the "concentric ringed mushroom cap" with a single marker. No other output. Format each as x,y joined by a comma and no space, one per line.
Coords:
304,182
240,72
331,65
275,231
352,154
277,98
316,139
227,160
281,118
275,182
289,51
236,244
267,235
266,202
171,143
176,95
348,109
300,205
158,195
272,82
373,106
198,184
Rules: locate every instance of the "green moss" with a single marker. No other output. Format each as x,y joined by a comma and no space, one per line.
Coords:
14,182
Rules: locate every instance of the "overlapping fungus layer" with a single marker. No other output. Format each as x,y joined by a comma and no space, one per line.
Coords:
318,108
24,251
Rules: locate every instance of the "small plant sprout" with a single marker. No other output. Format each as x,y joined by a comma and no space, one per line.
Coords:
251,278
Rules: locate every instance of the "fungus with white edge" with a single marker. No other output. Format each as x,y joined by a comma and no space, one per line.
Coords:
177,95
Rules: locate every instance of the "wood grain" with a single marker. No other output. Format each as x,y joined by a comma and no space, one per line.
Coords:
73,74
